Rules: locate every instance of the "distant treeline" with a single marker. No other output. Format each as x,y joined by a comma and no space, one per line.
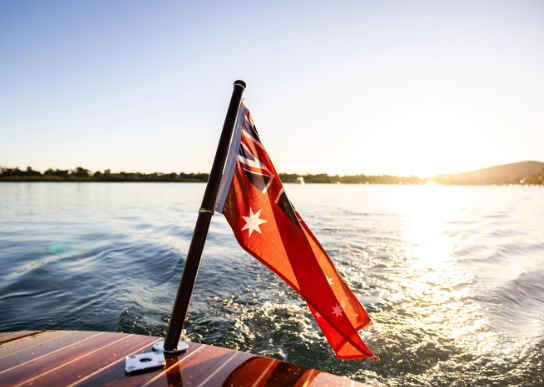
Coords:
537,178
323,178
83,175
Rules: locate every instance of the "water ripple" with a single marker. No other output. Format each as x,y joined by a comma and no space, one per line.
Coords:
451,276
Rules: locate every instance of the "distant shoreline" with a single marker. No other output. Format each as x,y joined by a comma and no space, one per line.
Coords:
381,181
525,173
284,182
84,175
285,178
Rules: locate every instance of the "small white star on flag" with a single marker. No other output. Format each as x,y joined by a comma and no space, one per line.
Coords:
337,310
317,315
253,222
330,281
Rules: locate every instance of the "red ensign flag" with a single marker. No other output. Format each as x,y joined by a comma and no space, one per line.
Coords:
252,198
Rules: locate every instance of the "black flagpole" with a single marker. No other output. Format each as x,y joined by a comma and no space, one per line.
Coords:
205,214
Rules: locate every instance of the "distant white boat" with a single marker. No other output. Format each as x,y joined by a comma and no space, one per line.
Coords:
300,180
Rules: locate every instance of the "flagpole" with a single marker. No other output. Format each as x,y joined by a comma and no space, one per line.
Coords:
171,344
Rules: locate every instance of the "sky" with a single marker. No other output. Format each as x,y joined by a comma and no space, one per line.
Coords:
345,87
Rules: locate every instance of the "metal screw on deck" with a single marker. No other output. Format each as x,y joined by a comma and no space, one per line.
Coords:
172,345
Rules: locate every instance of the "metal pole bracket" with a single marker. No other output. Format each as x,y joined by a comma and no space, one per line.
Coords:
144,361
152,360
181,348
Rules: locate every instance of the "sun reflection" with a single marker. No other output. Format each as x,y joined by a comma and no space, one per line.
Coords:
432,286
427,209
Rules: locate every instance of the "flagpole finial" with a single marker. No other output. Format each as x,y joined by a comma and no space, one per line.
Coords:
240,83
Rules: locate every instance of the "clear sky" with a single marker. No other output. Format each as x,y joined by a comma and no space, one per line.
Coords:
347,87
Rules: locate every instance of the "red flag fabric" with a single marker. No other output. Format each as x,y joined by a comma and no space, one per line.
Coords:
253,200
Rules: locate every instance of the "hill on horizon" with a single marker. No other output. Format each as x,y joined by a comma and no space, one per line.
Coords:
498,174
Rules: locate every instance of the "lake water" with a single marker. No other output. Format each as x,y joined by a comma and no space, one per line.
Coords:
452,277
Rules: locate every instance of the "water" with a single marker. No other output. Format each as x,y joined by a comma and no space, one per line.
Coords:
452,277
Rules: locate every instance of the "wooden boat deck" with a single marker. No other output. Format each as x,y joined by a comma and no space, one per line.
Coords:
80,358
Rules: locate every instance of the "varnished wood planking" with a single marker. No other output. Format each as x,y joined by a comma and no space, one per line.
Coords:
115,362
95,360
255,371
115,375
324,379
30,341
263,372
217,377
10,336
17,356
195,368
198,371
35,366
85,359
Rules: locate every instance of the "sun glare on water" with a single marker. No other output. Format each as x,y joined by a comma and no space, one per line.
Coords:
431,286
428,209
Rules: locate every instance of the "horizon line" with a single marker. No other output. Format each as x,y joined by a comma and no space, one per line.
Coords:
2,169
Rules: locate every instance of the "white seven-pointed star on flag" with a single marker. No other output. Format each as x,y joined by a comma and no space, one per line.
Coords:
253,222
337,310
